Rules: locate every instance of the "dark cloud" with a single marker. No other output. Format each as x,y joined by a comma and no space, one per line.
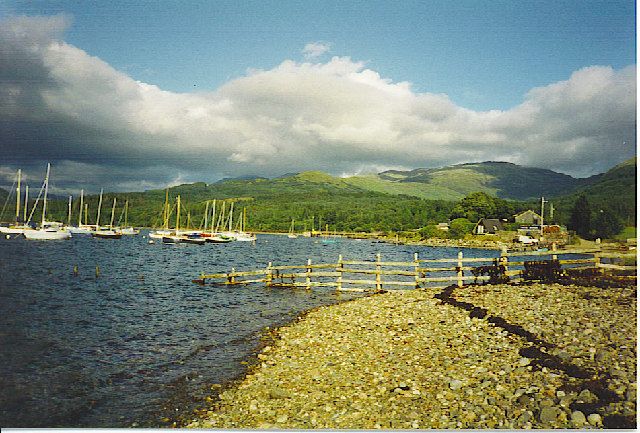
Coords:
99,127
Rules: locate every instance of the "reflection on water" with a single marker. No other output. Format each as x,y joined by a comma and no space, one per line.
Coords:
141,339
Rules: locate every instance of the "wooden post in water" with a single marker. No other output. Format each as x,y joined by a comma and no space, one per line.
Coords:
269,276
416,265
460,280
232,277
339,270
308,274
378,270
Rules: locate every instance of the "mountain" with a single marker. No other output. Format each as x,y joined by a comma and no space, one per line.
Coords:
500,179
615,190
392,200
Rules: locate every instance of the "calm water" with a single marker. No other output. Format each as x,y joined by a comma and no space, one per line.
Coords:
141,342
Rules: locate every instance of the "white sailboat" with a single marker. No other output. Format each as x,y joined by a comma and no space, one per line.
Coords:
47,230
292,234
241,235
127,230
177,237
20,226
81,228
212,236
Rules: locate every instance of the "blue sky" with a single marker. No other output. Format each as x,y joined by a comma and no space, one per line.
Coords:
483,54
140,94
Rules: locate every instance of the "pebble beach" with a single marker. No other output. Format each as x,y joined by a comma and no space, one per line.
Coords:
478,357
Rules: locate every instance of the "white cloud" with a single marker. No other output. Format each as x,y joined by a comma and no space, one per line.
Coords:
98,125
314,50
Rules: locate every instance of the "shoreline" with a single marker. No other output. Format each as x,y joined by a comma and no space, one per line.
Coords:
406,359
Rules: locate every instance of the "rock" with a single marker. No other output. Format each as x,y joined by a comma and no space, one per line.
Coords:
455,384
587,396
523,362
595,420
279,393
549,414
578,419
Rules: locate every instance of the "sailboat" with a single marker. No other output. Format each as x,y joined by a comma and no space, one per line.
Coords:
292,234
241,235
19,227
159,234
179,238
47,230
126,230
81,228
213,236
110,233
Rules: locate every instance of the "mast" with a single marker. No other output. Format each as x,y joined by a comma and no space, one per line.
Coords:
18,196
69,216
81,206
206,215
213,215
244,219
126,211
99,206
46,190
86,208
231,218
26,203
166,209
113,209
178,216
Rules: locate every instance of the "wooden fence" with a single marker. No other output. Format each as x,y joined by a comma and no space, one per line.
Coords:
365,275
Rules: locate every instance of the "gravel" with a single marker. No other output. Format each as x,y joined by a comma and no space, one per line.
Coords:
406,360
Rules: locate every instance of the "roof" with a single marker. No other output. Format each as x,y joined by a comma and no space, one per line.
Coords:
490,222
526,211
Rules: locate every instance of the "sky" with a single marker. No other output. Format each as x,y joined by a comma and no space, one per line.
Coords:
134,95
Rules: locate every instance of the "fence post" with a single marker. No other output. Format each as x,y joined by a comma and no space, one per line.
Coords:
308,274
378,270
596,261
416,265
232,277
460,280
339,269
269,276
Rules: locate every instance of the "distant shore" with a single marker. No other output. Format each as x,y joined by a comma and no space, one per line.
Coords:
498,356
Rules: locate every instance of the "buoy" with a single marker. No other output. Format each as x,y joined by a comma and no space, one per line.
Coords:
75,270
8,237
97,271
151,241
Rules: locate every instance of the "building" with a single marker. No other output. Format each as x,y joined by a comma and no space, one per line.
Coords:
528,217
443,226
488,226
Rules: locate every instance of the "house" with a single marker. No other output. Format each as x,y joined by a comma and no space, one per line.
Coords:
443,226
488,226
528,217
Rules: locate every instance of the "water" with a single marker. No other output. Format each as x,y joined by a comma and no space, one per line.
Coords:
141,342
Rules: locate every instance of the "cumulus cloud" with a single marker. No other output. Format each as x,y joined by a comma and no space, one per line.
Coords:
99,127
314,50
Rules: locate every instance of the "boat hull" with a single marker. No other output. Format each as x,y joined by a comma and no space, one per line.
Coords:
46,235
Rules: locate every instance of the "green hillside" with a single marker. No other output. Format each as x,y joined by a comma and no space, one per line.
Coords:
500,179
388,201
614,190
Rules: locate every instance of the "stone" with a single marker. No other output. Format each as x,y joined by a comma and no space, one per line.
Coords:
549,414
578,419
279,393
595,420
587,396
455,384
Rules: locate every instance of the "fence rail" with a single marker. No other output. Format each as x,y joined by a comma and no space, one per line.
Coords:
417,273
